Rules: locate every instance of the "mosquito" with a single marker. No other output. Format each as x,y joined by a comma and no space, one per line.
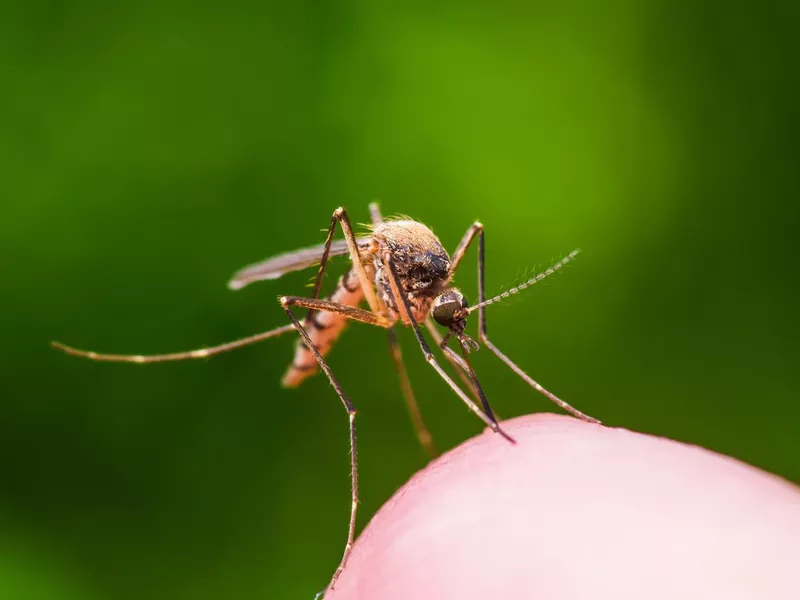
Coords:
404,274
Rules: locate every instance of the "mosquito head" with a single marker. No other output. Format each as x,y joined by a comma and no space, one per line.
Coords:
450,310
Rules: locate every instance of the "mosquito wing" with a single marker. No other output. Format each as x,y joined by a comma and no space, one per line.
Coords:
277,266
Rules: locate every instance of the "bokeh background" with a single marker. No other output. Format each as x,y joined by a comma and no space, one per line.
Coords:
150,149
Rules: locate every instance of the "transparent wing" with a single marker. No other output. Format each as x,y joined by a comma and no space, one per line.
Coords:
277,266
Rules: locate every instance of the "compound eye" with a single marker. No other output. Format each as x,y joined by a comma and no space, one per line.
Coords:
444,314
448,307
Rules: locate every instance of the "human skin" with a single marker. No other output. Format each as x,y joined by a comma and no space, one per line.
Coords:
580,511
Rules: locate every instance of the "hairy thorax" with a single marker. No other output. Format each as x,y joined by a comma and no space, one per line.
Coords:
422,264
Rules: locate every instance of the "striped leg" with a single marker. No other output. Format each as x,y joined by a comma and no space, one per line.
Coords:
351,416
351,312
174,356
477,231
423,434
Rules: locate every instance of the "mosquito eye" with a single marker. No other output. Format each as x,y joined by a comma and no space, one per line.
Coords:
444,314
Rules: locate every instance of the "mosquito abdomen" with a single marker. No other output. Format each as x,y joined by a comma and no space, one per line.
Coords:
324,329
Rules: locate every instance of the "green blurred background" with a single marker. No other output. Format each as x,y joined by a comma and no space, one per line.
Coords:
150,149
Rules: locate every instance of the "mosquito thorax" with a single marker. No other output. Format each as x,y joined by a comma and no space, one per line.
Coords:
422,264
450,309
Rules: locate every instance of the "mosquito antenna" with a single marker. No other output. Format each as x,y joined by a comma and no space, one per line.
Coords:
522,276
528,283
153,358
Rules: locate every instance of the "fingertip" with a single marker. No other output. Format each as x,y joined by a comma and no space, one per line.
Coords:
576,510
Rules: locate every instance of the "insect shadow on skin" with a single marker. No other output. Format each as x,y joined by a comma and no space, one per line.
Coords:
404,274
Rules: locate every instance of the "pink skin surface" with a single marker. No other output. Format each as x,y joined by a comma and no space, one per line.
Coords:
579,511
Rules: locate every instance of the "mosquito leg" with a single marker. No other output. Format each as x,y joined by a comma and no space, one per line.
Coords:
377,307
376,304
351,312
423,434
351,415
338,215
405,310
477,231
296,373
323,262
363,316
551,396
154,358
304,361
